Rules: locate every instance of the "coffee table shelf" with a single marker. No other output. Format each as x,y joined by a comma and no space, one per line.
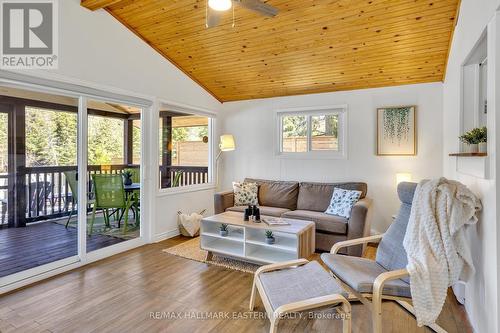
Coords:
223,246
246,240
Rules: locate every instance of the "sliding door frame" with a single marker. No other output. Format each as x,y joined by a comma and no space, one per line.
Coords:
83,94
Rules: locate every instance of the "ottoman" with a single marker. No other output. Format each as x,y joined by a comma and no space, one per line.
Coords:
295,286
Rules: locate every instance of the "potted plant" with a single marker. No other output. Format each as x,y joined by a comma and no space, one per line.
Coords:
224,230
127,177
483,138
472,139
270,237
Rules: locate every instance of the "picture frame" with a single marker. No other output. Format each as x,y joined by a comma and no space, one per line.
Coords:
397,131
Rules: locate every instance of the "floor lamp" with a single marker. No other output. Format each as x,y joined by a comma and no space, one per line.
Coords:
226,144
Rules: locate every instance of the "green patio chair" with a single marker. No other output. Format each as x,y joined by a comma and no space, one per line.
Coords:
73,186
110,194
136,178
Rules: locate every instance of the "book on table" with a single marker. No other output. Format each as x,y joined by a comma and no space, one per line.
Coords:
275,221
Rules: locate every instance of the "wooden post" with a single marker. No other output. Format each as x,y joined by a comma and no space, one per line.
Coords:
19,160
128,144
166,148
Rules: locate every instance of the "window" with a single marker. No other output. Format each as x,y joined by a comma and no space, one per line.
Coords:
316,132
184,149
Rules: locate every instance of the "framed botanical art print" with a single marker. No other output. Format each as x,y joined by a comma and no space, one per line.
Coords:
396,131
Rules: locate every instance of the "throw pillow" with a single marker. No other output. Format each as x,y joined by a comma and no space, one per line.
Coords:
342,202
245,194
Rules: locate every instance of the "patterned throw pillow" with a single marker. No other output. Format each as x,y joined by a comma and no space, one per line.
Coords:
342,202
245,194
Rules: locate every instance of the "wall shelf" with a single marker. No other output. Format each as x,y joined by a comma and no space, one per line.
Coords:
469,154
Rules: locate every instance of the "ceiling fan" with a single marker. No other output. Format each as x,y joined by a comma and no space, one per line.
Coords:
215,8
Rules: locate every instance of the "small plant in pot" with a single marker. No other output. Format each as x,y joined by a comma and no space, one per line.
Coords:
224,230
473,138
270,237
127,177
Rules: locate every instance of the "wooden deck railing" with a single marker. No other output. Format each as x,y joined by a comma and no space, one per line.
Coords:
49,196
188,175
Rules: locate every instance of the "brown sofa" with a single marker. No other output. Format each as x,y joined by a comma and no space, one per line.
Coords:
308,201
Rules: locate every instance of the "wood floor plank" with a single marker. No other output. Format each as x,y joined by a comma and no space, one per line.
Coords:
124,292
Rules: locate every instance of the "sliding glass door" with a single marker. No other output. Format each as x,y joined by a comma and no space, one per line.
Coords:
38,158
114,173
70,180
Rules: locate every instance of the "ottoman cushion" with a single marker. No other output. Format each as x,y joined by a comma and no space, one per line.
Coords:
298,284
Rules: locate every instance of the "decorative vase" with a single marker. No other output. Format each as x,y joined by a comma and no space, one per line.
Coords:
270,240
483,147
472,148
127,181
223,233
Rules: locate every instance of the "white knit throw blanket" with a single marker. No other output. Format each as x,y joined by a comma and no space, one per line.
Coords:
435,243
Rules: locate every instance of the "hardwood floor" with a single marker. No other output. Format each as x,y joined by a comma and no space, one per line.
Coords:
137,290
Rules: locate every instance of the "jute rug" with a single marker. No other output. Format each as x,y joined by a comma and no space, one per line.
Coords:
191,250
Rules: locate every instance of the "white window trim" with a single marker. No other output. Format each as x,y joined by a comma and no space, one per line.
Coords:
341,110
190,110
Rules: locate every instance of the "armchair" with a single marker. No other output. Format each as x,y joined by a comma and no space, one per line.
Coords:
386,277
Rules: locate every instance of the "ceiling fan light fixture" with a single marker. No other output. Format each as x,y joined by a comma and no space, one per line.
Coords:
220,5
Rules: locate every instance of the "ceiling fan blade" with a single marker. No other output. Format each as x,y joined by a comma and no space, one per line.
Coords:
213,17
259,7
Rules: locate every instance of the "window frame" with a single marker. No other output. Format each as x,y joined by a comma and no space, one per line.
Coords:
309,112
212,118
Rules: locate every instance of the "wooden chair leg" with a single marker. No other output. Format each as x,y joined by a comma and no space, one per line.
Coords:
273,328
252,295
377,311
346,322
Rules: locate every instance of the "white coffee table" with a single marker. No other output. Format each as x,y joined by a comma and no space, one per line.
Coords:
247,240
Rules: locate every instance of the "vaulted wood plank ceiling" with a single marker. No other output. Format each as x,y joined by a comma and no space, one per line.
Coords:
311,46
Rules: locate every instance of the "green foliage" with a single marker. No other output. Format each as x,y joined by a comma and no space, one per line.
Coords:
475,136
51,139
294,126
177,178
397,124
224,227
269,234
127,174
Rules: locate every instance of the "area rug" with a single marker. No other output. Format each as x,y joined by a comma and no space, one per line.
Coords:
191,250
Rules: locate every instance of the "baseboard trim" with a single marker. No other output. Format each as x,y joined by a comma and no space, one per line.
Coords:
166,235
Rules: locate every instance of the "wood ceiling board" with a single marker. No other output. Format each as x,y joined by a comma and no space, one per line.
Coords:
98,4
310,46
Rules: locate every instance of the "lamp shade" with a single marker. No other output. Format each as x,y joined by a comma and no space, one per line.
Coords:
220,5
403,177
227,142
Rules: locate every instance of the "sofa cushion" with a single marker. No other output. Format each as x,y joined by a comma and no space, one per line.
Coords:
274,193
316,196
360,274
269,211
324,222
245,194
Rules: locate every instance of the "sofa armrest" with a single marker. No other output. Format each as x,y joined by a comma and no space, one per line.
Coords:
222,201
359,225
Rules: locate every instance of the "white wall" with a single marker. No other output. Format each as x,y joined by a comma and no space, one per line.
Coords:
482,290
253,125
97,49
